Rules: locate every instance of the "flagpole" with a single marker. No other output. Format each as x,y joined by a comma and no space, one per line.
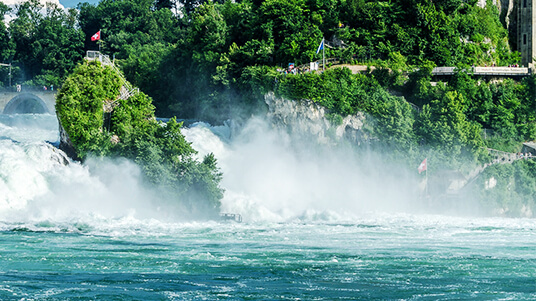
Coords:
323,54
424,167
99,42
426,182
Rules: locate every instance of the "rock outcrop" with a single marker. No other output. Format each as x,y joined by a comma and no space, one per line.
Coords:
66,145
305,117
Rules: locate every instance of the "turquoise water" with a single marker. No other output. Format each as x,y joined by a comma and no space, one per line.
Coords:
392,257
315,228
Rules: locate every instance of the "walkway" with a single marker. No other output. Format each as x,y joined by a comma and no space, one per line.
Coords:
449,71
443,71
484,71
498,157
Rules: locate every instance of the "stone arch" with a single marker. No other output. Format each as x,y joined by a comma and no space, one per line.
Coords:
26,103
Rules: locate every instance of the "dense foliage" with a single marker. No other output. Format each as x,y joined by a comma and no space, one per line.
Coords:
130,130
44,46
214,60
193,57
202,70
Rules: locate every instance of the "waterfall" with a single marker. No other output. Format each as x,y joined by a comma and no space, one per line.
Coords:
291,163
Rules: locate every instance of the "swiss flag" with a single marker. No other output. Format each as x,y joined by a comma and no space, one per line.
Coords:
422,167
96,36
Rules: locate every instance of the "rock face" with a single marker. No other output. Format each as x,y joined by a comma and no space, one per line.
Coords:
507,15
57,156
506,8
305,117
65,143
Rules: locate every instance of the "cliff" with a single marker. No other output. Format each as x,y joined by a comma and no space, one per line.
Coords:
306,117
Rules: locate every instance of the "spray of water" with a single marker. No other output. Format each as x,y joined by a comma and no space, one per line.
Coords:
268,176
39,183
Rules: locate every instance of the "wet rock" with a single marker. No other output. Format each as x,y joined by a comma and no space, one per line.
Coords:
66,144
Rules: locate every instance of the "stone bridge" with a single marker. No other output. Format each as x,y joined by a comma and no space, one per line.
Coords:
40,102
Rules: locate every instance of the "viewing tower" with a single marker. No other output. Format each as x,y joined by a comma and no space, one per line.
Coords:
526,17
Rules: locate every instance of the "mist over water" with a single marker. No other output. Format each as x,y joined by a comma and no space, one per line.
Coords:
271,175
38,183
322,222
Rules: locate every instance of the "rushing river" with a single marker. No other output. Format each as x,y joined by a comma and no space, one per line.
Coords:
315,228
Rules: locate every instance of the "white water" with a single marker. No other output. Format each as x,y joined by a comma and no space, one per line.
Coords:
39,183
320,223
267,178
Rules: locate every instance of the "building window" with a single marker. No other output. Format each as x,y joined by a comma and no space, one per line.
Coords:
524,3
524,39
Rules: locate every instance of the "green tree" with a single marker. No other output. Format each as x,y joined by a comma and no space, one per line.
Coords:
164,4
294,37
126,25
6,44
7,47
47,45
162,152
443,125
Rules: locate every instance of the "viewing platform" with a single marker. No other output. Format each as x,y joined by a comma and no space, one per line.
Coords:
127,89
484,71
450,71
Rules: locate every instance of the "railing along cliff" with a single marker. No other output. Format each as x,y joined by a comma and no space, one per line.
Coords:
127,89
497,157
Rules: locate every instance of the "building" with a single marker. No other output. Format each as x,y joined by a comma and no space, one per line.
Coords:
526,44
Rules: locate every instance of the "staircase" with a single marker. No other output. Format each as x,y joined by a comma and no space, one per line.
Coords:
498,157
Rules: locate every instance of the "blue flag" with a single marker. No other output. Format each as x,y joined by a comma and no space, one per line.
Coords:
320,47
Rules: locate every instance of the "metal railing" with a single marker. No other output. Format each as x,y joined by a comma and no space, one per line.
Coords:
498,71
129,90
25,88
